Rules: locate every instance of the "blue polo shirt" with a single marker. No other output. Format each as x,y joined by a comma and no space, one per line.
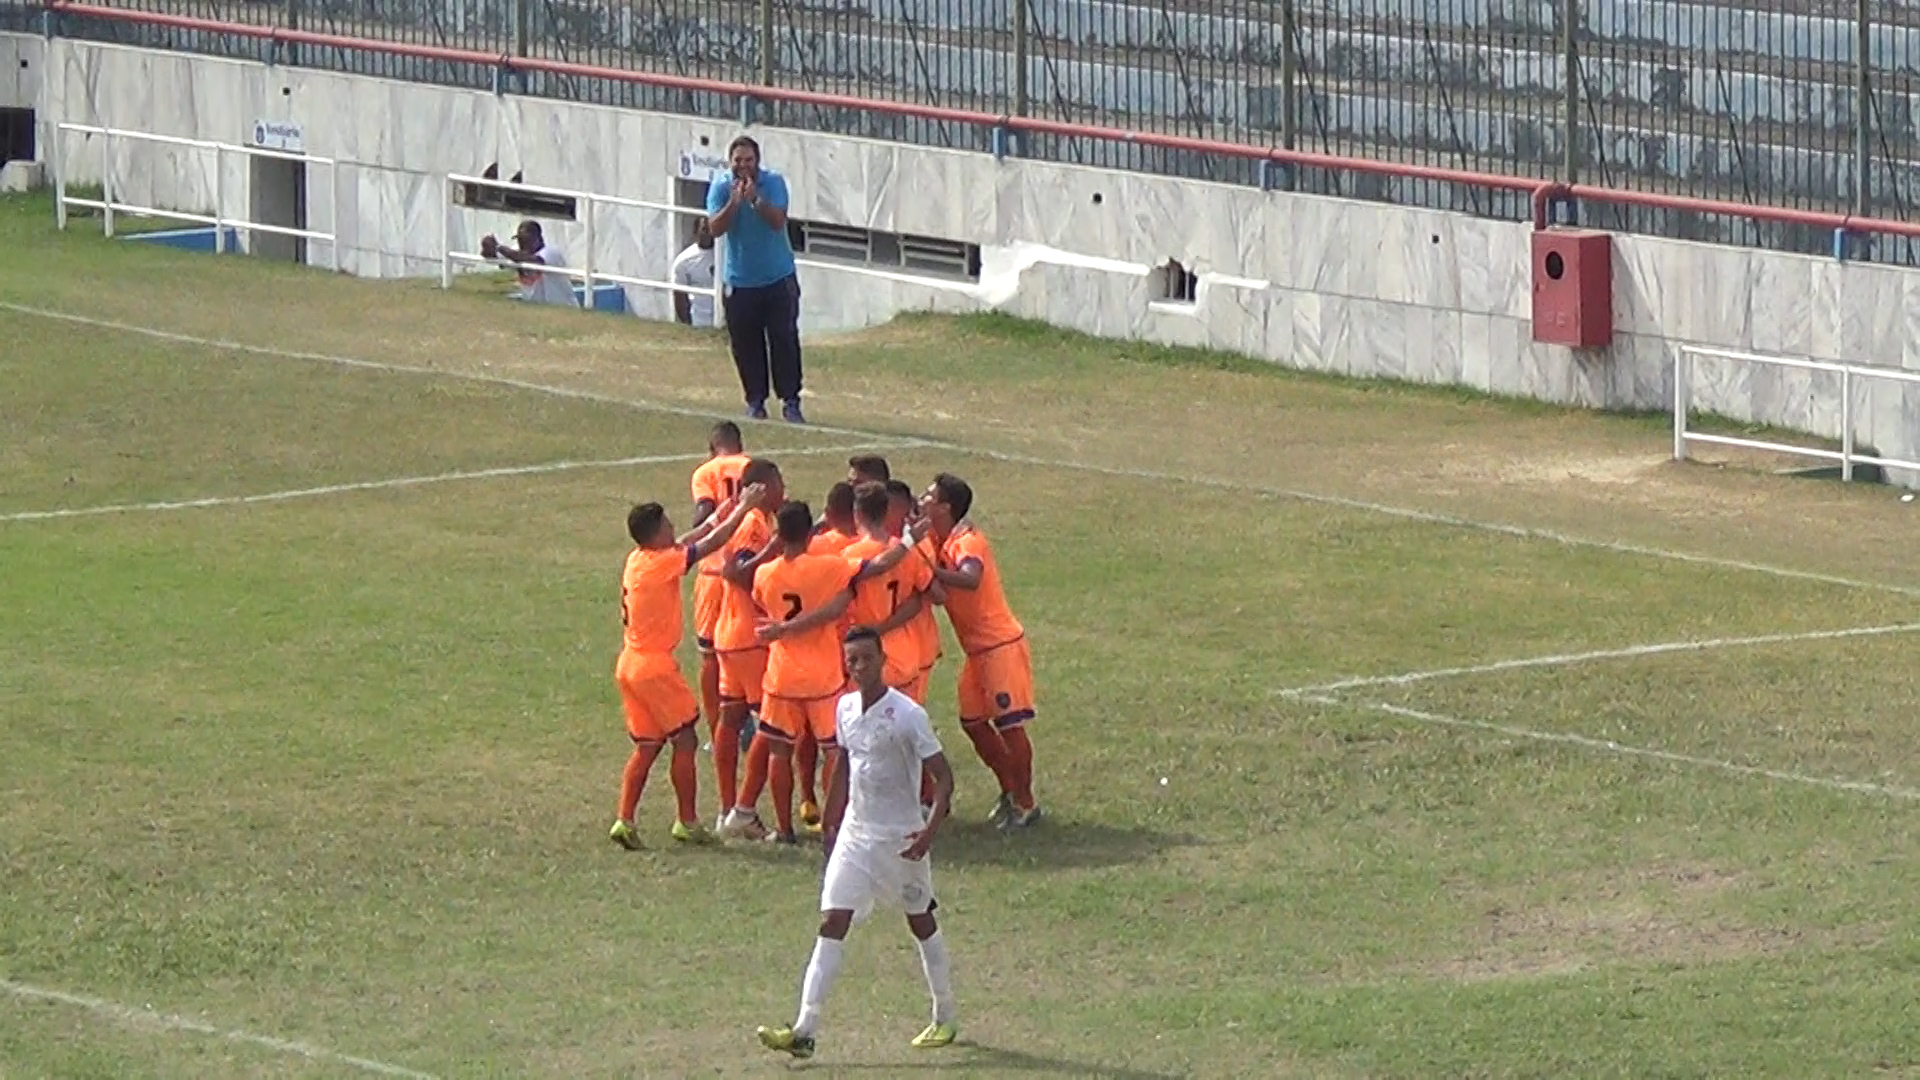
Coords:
757,253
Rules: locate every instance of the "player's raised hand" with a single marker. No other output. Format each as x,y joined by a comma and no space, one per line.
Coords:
489,246
754,497
918,845
917,530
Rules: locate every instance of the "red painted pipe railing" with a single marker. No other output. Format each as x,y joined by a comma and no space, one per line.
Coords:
1544,193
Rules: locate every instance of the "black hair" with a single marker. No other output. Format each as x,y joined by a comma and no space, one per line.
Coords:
955,493
865,633
644,520
900,489
840,500
725,436
758,471
795,521
872,466
872,501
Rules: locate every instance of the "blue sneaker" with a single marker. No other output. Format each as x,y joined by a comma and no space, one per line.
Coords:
756,410
791,413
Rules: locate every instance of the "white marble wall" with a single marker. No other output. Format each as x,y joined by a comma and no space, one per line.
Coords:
20,58
1319,283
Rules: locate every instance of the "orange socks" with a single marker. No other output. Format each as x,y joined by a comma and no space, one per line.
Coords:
686,784
726,760
992,749
806,762
634,780
1020,766
782,777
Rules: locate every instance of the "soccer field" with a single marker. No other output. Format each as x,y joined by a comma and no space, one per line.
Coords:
1384,731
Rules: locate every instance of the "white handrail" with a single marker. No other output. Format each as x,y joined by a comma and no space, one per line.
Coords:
1848,373
110,206
589,272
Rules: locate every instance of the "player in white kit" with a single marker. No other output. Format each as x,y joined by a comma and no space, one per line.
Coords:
877,838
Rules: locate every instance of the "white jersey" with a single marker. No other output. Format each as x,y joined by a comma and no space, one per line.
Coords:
693,268
885,746
539,287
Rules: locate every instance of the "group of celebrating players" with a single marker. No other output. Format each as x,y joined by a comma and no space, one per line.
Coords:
774,597
817,643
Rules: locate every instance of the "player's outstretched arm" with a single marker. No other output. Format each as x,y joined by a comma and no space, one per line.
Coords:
712,535
895,554
920,843
836,809
965,576
741,571
901,616
775,629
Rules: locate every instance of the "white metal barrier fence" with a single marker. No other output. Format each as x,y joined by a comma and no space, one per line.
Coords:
109,205
587,274
1850,375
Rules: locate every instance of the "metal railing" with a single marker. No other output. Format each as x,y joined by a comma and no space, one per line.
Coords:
1270,166
587,274
109,205
1850,376
1795,103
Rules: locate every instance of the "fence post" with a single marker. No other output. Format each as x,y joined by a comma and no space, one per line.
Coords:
293,23
1022,13
522,28
1289,86
1863,113
1570,100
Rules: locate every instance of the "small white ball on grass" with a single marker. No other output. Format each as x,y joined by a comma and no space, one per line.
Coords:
1906,498
1163,781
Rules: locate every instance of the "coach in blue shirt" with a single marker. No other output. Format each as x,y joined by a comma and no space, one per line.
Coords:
747,208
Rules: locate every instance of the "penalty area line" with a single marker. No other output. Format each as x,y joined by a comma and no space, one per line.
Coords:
1404,513
411,481
1608,746
150,1020
1570,659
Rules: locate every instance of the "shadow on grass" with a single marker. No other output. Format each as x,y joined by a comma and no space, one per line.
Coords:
1054,844
971,1057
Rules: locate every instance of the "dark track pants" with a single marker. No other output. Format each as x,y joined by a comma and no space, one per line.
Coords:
763,326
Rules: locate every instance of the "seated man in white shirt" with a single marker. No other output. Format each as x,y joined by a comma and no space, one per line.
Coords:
693,268
537,286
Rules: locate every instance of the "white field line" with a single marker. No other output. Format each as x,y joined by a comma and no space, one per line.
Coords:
409,481
1857,787
909,442
1568,659
156,1021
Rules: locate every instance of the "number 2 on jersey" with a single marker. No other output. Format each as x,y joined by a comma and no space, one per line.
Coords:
893,596
793,605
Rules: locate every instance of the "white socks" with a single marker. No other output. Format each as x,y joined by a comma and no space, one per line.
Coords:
820,973
933,960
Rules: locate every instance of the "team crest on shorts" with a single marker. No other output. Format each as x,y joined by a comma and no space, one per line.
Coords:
1005,701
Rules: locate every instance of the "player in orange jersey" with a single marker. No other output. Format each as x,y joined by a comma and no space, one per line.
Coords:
804,596
904,508
715,481
743,656
835,531
890,603
996,682
868,469
837,528
660,709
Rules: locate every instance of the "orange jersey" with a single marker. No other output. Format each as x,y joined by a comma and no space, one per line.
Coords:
981,618
735,630
650,598
878,597
716,481
807,664
830,542
925,626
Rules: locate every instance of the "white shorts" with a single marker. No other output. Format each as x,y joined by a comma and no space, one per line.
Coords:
864,873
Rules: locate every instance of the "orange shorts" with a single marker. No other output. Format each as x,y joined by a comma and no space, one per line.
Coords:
997,685
659,705
709,590
742,674
793,717
915,687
